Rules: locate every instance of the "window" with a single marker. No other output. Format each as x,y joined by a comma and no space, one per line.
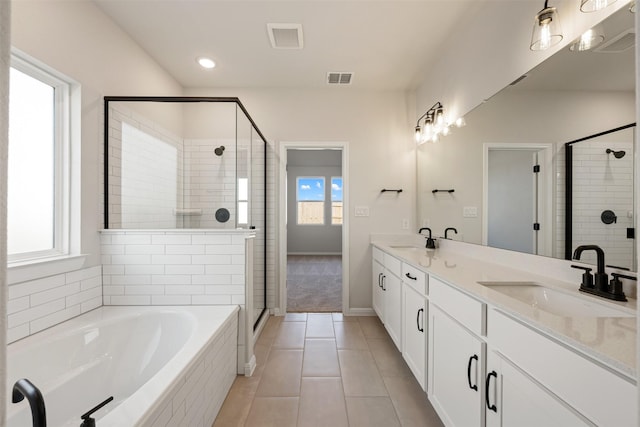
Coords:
336,200
310,198
38,198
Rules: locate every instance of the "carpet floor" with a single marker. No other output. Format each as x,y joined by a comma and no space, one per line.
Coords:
314,283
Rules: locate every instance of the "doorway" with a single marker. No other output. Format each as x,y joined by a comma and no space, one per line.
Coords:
517,198
313,224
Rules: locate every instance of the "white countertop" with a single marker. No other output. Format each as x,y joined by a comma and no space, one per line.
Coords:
609,340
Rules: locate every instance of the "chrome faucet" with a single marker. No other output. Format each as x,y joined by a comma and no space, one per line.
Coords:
431,243
600,286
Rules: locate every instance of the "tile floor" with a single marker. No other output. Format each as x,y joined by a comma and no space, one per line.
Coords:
323,369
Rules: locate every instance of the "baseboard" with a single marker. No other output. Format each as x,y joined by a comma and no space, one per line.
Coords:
360,312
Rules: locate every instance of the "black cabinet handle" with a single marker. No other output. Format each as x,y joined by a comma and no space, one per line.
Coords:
421,329
383,277
486,391
471,359
379,280
409,276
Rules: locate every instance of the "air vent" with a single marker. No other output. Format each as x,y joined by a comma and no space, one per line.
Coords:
285,36
620,43
339,78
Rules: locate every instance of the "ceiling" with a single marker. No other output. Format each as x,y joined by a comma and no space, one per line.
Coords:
386,44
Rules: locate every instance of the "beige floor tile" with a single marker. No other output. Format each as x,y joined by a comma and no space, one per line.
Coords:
411,403
295,317
270,329
349,336
281,375
235,409
290,335
360,376
320,326
372,327
388,359
371,412
322,403
339,317
273,412
320,358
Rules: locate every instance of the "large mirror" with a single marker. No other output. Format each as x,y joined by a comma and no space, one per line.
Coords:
507,166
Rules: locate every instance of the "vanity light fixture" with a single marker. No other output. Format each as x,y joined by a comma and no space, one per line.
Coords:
594,5
205,62
546,29
588,40
435,124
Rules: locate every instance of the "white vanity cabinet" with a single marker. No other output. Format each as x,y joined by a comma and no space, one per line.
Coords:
387,293
414,325
456,356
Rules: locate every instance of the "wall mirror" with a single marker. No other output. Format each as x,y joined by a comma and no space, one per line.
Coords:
570,96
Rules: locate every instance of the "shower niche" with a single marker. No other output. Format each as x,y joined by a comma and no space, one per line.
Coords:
186,163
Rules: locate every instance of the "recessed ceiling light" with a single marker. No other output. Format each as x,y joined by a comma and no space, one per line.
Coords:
206,62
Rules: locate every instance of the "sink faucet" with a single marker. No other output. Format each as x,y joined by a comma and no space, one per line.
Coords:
431,244
446,230
25,388
600,286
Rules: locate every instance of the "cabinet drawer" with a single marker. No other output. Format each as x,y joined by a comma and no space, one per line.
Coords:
393,265
465,309
378,255
580,382
415,278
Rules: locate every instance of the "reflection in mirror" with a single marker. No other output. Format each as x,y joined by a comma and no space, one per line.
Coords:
567,97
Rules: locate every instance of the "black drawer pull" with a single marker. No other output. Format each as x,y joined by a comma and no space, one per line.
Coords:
421,329
486,391
379,280
471,359
411,277
383,277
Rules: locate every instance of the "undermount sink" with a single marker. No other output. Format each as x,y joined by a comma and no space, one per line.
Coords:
554,301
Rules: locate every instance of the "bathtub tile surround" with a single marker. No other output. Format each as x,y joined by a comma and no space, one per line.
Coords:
183,267
38,304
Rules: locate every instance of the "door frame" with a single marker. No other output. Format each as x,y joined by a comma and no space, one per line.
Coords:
281,290
546,200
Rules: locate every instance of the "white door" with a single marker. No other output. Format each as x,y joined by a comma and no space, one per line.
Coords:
455,374
414,343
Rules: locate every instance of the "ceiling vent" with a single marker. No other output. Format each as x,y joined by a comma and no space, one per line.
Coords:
285,36
339,78
620,43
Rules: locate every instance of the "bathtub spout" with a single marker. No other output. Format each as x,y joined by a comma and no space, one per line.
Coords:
87,421
25,388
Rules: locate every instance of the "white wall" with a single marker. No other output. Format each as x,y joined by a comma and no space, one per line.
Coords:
377,125
77,39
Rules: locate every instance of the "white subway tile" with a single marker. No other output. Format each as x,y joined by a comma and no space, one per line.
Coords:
144,290
131,259
112,290
91,304
113,269
224,249
238,279
27,288
112,249
211,299
211,279
80,297
184,269
130,300
92,282
211,259
185,249
144,249
131,239
225,269
54,294
54,318
19,332
144,269
35,312
211,239
171,239
17,304
184,289
171,259
131,279
171,300
172,279
237,299
224,290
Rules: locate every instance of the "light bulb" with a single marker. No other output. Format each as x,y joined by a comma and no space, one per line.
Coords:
446,130
460,122
418,134
435,137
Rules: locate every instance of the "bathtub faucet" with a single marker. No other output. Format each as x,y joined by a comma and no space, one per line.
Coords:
87,421
25,388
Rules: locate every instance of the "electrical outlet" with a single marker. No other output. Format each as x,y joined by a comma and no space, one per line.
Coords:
470,212
361,211
405,224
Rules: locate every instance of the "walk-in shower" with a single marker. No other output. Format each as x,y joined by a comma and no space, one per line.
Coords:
186,163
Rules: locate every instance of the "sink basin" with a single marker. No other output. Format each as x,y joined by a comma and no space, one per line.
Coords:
554,301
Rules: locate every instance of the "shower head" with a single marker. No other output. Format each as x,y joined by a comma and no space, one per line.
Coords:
617,154
219,151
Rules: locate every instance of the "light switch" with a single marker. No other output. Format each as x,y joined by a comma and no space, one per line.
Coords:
361,211
470,212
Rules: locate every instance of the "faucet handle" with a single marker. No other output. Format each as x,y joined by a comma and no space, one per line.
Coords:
587,277
624,276
615,285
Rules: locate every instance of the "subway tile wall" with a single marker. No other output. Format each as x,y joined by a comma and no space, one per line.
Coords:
39,304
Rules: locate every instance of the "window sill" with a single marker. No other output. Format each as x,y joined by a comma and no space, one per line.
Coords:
22,271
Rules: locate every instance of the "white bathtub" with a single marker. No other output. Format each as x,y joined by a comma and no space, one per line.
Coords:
160,364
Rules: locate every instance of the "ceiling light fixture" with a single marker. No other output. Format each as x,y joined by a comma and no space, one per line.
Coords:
205,62
594,5
546,29
588,40
435,125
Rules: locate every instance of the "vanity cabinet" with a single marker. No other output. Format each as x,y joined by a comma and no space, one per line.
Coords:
456,356
414,326
387,294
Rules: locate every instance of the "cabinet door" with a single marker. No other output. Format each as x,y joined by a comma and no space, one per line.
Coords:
414,343
455,373
514,399
376,290
393,307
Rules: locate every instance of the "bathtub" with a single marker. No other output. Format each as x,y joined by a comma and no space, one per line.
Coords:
161,364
